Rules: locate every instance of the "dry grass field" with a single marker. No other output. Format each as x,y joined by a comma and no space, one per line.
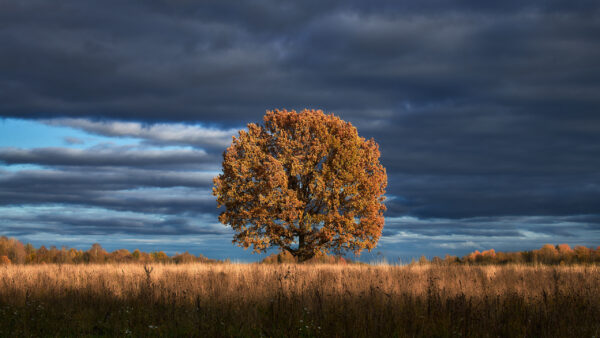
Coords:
299,300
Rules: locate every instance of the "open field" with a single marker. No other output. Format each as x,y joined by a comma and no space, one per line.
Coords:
299,300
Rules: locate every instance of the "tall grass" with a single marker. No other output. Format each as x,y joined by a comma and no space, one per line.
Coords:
299,300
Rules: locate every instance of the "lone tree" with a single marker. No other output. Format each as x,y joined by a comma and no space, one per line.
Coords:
305,182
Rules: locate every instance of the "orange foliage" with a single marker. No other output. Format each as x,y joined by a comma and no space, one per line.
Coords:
159,256
305,182
473,255
549,249
564,248
4,260
547,254
17,253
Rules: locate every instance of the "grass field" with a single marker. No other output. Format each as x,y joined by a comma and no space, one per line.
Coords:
299,300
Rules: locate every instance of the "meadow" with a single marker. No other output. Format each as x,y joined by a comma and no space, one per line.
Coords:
299,300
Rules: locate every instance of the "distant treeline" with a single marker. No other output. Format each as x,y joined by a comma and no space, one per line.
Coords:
547,254
12,251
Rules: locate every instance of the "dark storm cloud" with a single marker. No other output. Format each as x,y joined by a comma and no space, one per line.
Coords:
214,62
481,109
459,196
166,201
73,223
184,192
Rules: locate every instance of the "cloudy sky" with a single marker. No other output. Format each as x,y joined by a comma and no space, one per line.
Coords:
114,115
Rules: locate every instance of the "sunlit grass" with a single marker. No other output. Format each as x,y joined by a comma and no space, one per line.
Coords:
299,300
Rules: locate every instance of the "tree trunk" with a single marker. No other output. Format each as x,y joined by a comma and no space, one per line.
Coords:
303,257
304,251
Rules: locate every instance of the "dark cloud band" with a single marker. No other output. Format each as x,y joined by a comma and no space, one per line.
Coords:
481,109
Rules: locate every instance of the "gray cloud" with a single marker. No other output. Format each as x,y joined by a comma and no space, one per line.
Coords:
80,221
121,178
73,140
156,134
210,62
104,156
166,201
405,236
503,227
100,178
469,195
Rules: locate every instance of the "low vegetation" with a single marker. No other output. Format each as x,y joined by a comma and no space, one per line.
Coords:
299,300
12,251
552,291
549,254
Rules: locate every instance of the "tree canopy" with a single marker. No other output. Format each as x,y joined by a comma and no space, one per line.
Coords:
304,182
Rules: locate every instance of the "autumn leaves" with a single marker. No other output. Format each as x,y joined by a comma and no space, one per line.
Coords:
305,182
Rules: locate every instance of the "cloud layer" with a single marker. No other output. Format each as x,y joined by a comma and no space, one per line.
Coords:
154,134
482,111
